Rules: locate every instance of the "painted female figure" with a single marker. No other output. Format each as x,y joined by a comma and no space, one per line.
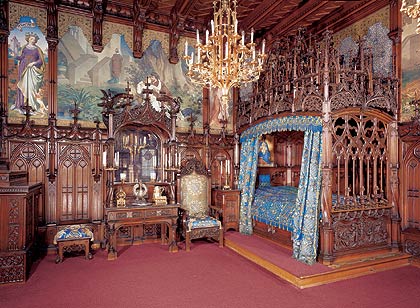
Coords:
31,75
264,152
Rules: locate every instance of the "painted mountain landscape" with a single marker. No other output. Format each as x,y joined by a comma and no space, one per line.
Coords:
82,73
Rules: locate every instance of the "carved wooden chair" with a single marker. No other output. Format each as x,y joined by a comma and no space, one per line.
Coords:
194,196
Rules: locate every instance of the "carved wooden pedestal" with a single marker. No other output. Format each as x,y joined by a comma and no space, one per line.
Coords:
227,202
18,224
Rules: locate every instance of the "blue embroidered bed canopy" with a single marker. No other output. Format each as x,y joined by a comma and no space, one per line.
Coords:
308,202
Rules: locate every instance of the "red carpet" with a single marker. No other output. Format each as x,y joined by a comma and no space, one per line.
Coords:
208,276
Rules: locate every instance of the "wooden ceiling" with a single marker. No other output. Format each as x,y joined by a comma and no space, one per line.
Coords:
269,18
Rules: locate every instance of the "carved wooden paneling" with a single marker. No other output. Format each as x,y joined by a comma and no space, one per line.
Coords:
411,189
30,157
288,148
360,229
74,182
360,152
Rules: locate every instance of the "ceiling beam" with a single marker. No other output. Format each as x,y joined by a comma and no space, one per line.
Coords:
264,9
296,18
350,13
183,7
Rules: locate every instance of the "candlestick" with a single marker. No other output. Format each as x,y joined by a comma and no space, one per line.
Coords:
104,158
236,154
117,159
221,171
123,177
110,126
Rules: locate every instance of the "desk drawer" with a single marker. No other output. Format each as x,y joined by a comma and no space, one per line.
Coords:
161,212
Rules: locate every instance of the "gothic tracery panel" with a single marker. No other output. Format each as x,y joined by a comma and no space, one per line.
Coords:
74,183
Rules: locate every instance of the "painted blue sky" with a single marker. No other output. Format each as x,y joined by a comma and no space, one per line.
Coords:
28,24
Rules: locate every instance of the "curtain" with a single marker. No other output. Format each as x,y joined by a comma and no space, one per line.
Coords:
247,175
306,216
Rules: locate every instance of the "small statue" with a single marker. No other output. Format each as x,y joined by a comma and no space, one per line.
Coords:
121,197
140,192
158,198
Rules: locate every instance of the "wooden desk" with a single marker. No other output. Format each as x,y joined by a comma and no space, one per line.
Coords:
131,216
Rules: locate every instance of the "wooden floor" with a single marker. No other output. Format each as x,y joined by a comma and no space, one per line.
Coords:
344,269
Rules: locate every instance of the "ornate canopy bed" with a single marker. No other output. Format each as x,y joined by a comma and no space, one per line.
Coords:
345,200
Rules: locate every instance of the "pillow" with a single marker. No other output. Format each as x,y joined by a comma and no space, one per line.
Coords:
264,180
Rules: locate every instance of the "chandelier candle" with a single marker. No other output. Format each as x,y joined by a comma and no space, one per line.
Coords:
225,60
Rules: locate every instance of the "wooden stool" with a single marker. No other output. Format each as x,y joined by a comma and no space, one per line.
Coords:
72,245
73,238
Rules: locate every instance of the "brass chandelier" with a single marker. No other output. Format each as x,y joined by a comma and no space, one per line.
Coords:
224,60
412,11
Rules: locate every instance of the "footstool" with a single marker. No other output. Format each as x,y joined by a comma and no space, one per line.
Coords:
73,238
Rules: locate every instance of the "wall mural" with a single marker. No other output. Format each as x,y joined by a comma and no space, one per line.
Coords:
410,63
214,114
83,72
28,68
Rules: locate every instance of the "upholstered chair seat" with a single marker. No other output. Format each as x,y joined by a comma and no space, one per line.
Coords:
194,197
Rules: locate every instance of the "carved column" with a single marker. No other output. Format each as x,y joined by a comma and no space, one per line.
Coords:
51,191
326,232
52,39
180,10
393,192
395,22
177,25
139,19
98,17
4,34
395,34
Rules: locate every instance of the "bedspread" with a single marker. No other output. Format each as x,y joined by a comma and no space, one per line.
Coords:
275,205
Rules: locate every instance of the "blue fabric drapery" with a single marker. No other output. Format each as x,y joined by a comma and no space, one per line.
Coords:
308,202
247,175
305,229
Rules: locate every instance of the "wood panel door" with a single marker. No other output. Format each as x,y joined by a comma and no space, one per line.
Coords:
74,183
411,189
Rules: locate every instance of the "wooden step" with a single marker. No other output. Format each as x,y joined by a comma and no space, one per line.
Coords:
351,268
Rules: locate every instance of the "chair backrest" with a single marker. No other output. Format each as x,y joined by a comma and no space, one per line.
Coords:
194,188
